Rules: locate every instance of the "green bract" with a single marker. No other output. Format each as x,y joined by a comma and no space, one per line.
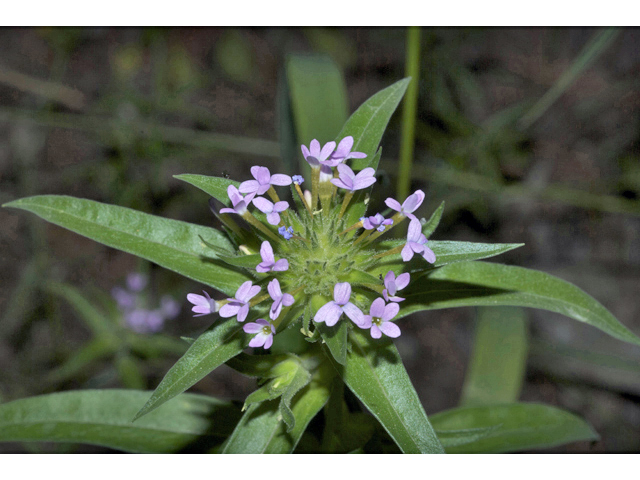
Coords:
339,362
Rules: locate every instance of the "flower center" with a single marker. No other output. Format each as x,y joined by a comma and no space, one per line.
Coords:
376,321
266,330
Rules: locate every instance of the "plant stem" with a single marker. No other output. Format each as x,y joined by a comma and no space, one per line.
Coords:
345,203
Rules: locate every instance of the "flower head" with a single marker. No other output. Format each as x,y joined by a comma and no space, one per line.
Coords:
344,153
269,263
330,312
263,181
409,206
202,305
144,321
297,179
137,281
238,201
379,319
352,182
272,210
240,304
377,221
265,332
416,243
316,156
279,299
287,233
393,284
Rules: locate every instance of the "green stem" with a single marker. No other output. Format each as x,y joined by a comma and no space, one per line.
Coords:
409,109
394,250
248,216
345,203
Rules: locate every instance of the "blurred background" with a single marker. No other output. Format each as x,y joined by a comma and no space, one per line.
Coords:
528,135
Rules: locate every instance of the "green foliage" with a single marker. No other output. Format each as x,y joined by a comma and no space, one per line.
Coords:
509,428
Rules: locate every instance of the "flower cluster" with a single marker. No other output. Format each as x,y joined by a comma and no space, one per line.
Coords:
314,253
131,302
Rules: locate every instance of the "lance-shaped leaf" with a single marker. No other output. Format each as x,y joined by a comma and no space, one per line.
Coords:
434,220
214,186
169,243
261,429
368,123
103,417
480,283
222,341
512,427
498,360
375,374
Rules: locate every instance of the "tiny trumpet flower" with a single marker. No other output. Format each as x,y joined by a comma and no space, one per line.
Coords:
287,233
238,201
298,179
240,304
377,221
203,305
393,284
263,181
279,299
265,332
344,153
409,206
316,156
416,243
272,210
379,319
352,182
330,313
269,263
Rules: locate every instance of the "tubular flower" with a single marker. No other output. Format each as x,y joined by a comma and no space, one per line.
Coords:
352,182
416,243
239,305
238,201
263,181
279,299
393,284
265,332
377,221
379,319
344,153
269,263
273,210
202,305
330,313
409,206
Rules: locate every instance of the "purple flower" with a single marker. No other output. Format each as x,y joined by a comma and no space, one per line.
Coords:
202,305
272,211
377,221
263,181
297,179
287,233
137,281
393,284
269,263
344,153
316,156
352,182
144,321
169,307
125,299
330,312
279,299
379,318
238,201
264,330
416,243
240,304
409,206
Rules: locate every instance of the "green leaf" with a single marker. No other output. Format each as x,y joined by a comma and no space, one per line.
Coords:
434,220
169,243
262,431
214,186
103,417
456,438
478,283
375,374
516,426
498,361
336,339
222,341
368,123
91,352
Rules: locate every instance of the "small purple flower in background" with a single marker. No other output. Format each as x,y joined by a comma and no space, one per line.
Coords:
416,243
316,156
379,318
352,182
240,304
409,206
393,284
264,330
137,281
377,221
287,233
297,179
238,201
279,299
263,181
344,153
269,263
272,210
144,321
202,305
125,299
330,312
169,307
